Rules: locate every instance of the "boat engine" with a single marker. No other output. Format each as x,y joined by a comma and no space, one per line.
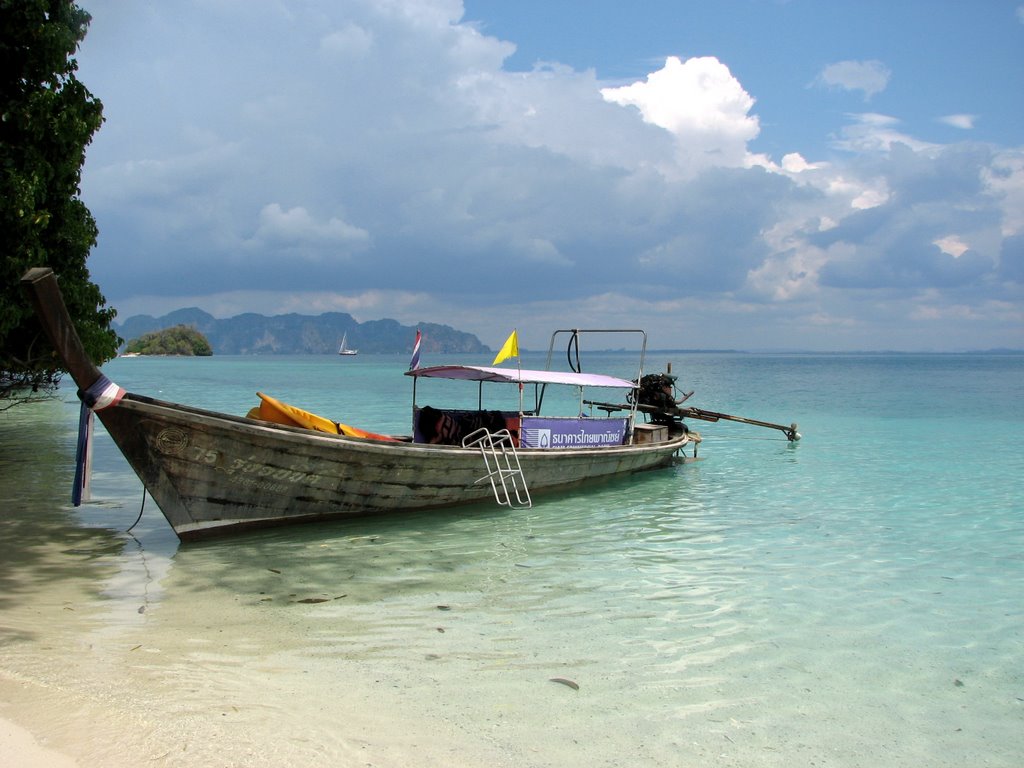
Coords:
656,391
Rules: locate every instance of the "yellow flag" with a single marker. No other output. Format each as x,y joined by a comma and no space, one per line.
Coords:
511,349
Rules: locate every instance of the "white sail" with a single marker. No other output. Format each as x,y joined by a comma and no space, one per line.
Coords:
343,349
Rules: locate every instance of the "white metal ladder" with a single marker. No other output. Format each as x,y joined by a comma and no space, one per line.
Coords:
502,463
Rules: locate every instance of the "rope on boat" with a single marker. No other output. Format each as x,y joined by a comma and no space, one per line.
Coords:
142,508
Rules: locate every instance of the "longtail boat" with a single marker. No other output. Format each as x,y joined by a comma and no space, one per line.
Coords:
214,473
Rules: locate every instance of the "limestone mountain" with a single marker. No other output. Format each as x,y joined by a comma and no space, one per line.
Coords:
294,334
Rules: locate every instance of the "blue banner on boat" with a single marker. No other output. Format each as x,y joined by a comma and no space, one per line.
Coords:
537,432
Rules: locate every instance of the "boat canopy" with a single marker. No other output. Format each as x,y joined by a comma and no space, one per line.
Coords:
524,376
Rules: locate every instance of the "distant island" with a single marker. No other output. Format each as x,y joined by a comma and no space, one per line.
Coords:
177,340
294,334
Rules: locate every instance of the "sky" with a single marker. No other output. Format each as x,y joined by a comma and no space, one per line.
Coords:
740,174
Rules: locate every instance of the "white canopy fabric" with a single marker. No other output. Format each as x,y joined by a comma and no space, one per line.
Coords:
514,376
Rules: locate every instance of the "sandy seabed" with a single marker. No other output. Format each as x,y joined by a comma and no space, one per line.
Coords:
45,728
19,747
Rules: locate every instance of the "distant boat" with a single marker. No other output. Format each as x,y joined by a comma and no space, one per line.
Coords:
344,350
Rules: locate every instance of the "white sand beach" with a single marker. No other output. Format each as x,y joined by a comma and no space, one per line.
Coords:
44,726
19,747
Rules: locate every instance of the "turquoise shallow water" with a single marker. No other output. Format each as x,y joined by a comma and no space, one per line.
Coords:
855,600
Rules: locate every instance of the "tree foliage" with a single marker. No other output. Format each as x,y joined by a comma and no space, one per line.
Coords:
47,119
179,340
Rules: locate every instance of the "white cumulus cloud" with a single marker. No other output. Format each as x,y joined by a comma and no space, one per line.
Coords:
296,227
872,132
962,121
870,77
350,40
701,103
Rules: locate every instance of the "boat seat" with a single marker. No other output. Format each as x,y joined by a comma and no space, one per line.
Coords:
451,426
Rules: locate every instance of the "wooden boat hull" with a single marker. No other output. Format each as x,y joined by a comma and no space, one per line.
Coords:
212,473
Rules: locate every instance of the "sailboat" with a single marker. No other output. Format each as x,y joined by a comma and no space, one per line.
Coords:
344,350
